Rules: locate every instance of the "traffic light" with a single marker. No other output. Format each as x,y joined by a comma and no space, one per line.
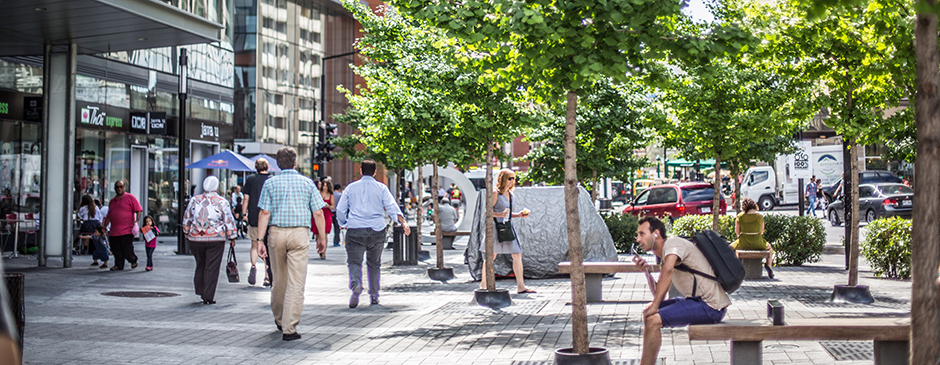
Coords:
324,149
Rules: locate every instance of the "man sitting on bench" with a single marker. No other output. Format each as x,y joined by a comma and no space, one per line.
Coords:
705,301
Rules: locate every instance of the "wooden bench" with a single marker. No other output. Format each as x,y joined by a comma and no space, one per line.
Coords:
753,268
891,336
449,237
594,271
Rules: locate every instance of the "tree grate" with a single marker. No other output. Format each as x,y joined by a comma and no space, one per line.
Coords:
464,308
140,294
849,350
551,362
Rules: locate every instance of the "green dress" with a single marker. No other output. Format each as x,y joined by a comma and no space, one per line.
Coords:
750,237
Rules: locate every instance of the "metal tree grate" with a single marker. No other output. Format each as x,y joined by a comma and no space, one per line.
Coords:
517,307
140,294
551,362
849,350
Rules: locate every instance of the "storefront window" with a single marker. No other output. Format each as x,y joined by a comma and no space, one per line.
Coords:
162,184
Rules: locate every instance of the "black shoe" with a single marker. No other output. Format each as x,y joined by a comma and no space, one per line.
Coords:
354,299
375,301
278,326
290,336
770,272
251,276
208,302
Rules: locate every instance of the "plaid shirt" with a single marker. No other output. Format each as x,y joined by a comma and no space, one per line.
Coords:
291,198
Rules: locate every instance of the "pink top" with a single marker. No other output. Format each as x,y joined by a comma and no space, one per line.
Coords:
121,214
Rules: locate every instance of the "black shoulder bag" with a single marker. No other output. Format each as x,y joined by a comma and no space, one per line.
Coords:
504,232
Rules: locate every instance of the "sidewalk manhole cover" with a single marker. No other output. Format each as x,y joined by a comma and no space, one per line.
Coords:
140,294
517,307
849,350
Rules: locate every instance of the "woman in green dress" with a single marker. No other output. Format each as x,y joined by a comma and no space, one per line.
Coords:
750,230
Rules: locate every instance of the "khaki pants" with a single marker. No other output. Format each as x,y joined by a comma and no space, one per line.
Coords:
289,251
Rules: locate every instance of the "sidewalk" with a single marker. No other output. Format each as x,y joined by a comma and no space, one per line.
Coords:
419,321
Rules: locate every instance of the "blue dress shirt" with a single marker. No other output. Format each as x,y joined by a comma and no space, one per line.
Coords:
364,204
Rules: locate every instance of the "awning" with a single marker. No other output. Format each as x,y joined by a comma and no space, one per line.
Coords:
98,26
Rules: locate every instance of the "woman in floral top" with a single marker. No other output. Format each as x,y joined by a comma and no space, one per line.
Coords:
208,222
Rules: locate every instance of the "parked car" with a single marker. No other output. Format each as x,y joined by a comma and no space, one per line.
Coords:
865,177
875,201
676,200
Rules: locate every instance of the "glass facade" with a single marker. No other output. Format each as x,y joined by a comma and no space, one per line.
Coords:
278,47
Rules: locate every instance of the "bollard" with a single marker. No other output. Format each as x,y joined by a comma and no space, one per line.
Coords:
16,300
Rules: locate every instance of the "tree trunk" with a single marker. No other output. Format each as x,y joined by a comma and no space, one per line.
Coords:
438,234
594,185
418,192
488,235
579,332
735,172
925,256
716,200
852,221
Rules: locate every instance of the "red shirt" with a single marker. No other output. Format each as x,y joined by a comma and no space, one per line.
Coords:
121,214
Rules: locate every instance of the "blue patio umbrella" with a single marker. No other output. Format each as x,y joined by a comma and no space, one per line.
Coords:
226,160
272,163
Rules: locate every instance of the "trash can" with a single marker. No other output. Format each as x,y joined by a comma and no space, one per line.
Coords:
405,248
605,204
16,302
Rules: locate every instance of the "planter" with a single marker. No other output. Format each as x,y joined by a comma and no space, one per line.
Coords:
595,356
496,299
858,294
442,275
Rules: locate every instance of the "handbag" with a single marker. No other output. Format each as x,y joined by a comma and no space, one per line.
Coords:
504,231
231,269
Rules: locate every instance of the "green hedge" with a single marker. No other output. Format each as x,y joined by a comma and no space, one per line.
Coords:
689,225
622,228
796,240
887,247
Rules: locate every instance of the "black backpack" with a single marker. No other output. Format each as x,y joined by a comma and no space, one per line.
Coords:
729,271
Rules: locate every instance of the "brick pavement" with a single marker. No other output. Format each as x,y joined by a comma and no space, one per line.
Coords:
419,321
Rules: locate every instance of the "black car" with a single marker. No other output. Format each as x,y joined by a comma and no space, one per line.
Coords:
876,201
864,177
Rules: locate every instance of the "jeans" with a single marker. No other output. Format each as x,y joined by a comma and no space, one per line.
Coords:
150,256
811,209
361,241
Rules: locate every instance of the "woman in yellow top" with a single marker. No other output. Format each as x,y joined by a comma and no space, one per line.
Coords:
750,230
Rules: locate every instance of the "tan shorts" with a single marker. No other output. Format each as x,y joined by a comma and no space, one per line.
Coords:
252,233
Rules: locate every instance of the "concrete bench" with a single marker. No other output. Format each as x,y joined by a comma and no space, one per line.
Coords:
594,271
891,336
753,268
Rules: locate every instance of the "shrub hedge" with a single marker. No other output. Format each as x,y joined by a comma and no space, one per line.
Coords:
622,228
796,240
887,247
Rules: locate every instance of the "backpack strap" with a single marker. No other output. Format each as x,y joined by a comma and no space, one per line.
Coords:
686,268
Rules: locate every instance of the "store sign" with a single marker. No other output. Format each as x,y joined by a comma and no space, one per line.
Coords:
157,121
11,105
202,130
93,115
32,108
139,122
208,131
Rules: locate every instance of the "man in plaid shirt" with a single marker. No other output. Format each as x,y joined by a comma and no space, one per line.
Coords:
287,202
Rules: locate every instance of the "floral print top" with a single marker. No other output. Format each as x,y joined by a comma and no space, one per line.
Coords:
208,218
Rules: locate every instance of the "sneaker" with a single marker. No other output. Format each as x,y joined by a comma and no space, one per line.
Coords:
251,276
375,301
290,336
94,263
354,299
103,266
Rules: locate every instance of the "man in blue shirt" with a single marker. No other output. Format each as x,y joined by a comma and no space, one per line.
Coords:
287,202
361,210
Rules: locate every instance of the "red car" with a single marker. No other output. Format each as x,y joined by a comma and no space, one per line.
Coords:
676,200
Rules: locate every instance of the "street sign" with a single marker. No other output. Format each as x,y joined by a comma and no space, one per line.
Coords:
800,161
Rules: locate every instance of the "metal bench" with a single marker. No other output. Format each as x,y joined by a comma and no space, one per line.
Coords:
891,336
594,272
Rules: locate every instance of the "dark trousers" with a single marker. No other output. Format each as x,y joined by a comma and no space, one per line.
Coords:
208,257
359,242
150,256
336,232
122,247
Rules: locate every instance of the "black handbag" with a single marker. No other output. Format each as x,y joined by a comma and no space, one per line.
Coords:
231,269
504,231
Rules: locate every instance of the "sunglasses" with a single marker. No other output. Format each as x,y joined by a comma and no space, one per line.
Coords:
119,186
511,178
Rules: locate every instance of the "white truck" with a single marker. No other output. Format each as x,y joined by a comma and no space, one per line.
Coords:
773,185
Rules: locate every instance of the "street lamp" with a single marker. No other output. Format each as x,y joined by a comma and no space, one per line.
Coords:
181,247
658,159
